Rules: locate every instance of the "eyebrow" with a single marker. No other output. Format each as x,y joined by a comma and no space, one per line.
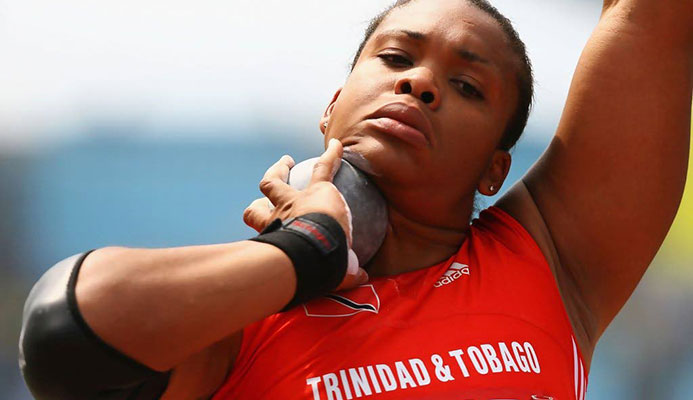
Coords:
462,52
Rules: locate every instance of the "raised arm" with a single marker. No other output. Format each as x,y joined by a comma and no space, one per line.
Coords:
609,186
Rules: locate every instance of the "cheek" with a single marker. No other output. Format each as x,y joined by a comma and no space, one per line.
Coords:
466,148
363,87
470,128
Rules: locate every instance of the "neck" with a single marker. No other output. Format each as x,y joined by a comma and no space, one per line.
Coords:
410,245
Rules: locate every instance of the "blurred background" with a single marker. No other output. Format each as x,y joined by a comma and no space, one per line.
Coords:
150,124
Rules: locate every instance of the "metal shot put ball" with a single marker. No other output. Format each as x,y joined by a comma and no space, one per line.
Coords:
367,205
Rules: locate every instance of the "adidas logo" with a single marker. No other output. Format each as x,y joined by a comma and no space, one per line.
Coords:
455,271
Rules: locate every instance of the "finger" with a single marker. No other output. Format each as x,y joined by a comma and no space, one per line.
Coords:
258,214
328,163
280,169
273,183
353,281
355,275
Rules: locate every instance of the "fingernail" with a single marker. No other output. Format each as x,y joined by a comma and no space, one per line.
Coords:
352,262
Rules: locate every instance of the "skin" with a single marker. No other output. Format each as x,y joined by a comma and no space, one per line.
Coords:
603,196
461,156
598,214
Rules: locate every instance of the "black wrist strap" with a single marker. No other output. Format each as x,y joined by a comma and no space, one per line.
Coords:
317,247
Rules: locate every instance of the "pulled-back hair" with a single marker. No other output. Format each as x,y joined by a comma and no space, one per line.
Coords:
525,79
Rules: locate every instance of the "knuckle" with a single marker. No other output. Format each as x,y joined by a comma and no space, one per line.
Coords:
323,185
248,214
265,185
320,164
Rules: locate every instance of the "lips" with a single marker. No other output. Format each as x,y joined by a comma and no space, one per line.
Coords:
404,121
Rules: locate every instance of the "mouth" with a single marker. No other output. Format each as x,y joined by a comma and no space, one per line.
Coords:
404,121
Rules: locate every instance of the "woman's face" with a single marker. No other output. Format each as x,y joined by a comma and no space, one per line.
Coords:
429,99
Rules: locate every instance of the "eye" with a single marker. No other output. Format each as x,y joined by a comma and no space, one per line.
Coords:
395,60
468,90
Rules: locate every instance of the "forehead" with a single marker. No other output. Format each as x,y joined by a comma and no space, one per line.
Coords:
452,22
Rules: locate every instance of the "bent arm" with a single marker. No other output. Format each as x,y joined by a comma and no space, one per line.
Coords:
611,181
160,306
97,340
108,324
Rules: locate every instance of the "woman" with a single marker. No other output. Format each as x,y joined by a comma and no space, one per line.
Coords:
509,307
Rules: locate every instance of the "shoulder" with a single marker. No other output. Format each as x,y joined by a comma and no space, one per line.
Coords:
499,225
519,205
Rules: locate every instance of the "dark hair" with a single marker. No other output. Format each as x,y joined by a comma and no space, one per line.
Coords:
525,79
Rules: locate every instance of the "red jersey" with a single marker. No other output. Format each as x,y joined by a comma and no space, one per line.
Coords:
488,323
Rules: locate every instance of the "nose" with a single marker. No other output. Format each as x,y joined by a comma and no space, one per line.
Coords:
420,83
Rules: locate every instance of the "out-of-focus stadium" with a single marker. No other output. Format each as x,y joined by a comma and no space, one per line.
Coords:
149,124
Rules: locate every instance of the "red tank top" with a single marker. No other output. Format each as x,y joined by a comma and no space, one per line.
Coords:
486,324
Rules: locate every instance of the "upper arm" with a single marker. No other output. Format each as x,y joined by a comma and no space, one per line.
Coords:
61,357
610,183
201,375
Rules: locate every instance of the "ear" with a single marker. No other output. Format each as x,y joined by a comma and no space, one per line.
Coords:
496,173
324,121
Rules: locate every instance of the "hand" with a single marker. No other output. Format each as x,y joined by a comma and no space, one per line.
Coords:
320,196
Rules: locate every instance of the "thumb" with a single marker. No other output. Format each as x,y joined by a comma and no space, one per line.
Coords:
328,163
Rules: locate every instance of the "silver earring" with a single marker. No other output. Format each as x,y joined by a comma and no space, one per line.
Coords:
324,125
492,188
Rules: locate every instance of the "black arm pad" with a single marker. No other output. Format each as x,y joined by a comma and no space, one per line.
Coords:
62,358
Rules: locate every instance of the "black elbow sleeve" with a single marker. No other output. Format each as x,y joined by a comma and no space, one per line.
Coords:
62,358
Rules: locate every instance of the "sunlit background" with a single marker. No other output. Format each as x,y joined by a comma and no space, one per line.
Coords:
149,123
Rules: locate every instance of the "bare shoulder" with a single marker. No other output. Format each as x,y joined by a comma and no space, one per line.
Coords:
518,203
601,199
203,373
